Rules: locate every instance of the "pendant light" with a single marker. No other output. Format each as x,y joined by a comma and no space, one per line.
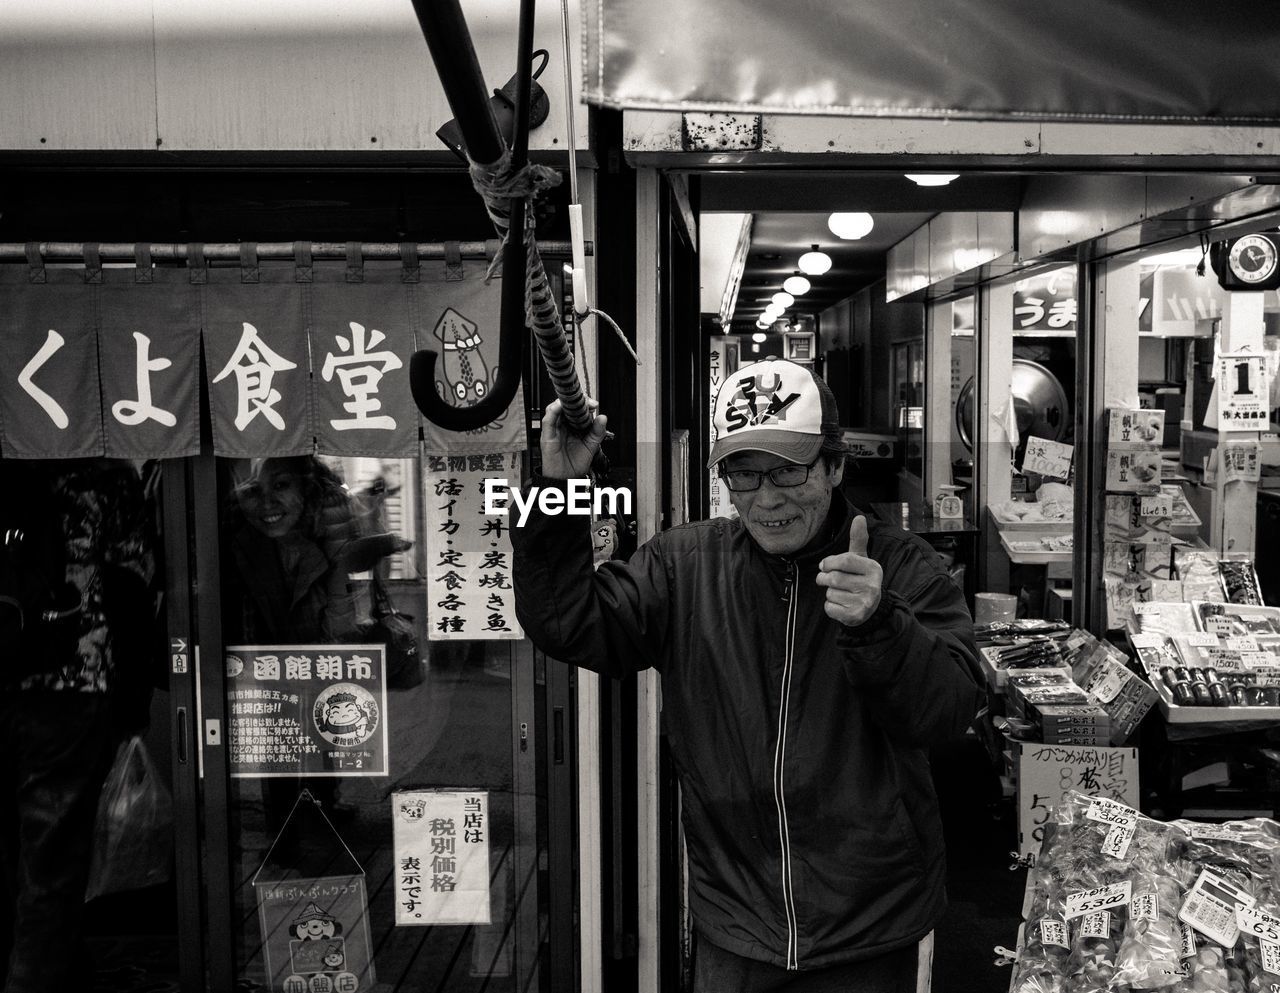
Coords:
850,226
814,262
796,285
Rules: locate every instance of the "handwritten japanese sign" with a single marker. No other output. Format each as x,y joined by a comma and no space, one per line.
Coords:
461,323
306,710
441,845
718,358
1243,393
469,590
315,934
1047,773
1048,458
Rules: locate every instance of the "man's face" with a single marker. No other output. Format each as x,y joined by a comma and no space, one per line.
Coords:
783,519
344,713
271,499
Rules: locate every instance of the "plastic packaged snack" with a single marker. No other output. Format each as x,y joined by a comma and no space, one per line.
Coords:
1151,953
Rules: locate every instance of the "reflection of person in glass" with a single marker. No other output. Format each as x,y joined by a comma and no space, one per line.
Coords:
296,581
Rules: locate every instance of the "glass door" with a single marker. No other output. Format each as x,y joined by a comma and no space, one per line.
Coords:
376,818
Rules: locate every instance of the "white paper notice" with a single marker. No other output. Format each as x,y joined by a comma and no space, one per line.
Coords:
1049,458
1243,393
441,843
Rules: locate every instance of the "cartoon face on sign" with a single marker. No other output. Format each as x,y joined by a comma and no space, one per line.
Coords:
466,377
758,400
345,714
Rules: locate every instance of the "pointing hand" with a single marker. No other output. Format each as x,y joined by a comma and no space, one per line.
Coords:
853,580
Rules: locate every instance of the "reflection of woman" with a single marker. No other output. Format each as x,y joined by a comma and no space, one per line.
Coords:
290,549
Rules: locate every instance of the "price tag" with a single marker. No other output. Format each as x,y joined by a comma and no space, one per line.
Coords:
1270,957
1260,924
1096,925
1220,625
1266,676
1145,639
1241,643
1210,908
1105,683
1225,661
1258,660
1104,810
1188,942
1048,458
1201,639
1144,906
1116,843
1160,505
1098,898
1053,932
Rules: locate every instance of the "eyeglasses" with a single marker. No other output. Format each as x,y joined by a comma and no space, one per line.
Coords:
746,480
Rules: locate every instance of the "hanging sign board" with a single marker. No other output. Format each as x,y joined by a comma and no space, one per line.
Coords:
306,710
469,590
441,844
1243,393
1049,458
461,322
1045,302
316,934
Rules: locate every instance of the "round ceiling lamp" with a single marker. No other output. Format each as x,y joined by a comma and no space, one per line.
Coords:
759,337
851,227
814,262
932,178
783,300
796,285
772,311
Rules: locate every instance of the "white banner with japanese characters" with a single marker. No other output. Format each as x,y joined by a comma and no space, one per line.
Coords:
469,589
441,844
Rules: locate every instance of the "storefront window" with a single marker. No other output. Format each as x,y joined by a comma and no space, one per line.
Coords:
378,839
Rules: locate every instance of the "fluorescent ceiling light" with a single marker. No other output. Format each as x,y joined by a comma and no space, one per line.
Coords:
850,227
815,263
796,285
1181,257
932,178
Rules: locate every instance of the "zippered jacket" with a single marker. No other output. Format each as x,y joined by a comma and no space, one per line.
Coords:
800,744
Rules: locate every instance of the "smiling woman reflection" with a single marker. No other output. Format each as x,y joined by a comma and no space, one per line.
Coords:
295,583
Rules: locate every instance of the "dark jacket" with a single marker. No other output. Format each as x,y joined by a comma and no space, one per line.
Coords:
801,745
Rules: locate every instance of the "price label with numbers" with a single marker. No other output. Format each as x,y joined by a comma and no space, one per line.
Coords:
1098,898
1241,643
1258,923
1048,458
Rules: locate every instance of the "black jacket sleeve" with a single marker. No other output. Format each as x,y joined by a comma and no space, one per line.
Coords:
915,655
612,620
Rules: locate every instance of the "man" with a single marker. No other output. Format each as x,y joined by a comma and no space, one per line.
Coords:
809,659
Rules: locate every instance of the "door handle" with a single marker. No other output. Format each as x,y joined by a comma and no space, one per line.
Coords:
182,735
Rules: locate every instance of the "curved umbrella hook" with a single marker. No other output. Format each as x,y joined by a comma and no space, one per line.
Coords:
454,55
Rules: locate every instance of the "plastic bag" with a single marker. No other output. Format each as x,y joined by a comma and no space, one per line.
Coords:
133,839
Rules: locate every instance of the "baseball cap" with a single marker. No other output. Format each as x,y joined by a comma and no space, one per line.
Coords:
777,407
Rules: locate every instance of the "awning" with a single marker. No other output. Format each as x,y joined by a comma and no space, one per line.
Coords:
298,356
1175,61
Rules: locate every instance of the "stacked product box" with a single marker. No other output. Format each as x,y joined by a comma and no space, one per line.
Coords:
1138,519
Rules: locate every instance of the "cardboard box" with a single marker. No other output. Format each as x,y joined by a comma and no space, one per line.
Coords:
1133,471
1134,428
1125,695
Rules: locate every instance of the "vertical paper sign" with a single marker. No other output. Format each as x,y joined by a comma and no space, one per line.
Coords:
461,324
1243,393
1240,461
306,710
50,403
361,345
469,590
315,934
149,335
441,843
1047,773
255,348
718,359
